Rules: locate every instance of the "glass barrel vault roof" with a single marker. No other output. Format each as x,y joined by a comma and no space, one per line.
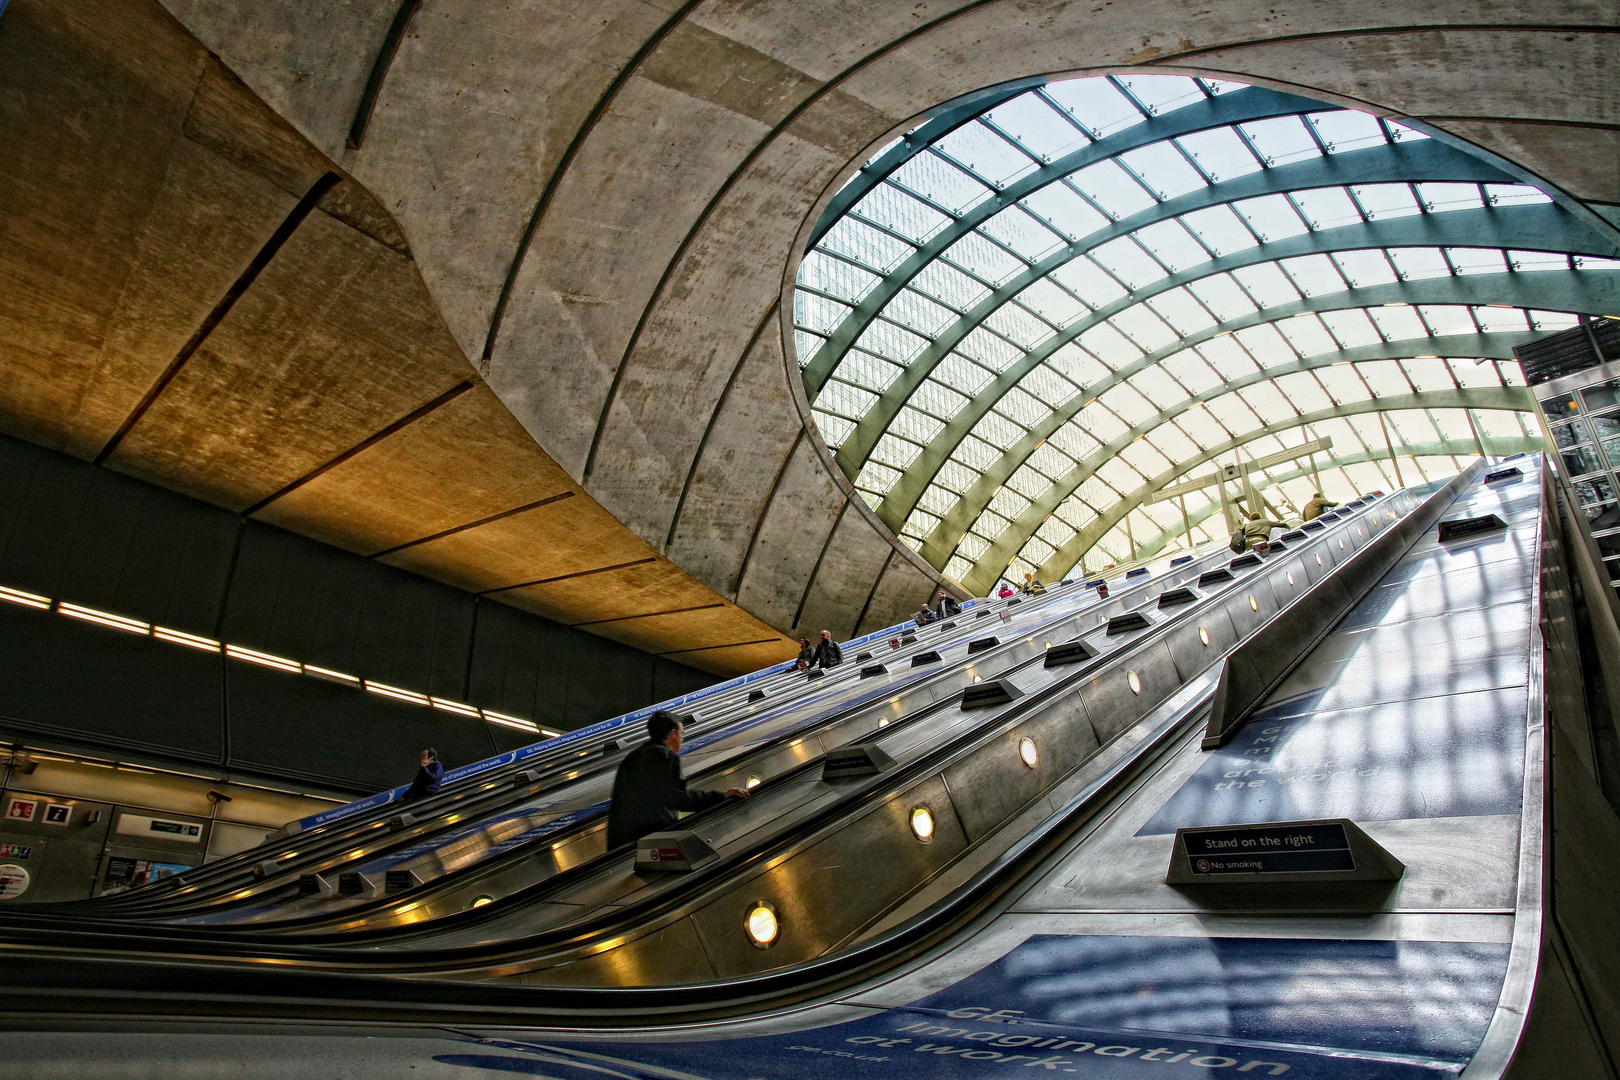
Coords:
1022,318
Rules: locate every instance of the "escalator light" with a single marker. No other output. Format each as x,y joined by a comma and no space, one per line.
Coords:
762,925
1203,634
978,678
883,721
922,823
753,782
1254,605
482,900
1359,532
1290,577
1319,558
1341,543
1135,682
1027,752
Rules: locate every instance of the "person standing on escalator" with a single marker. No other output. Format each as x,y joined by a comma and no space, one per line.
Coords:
828,654
428,777
649,793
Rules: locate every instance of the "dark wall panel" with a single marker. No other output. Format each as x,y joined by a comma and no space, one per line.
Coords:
73,532
91,685
303,728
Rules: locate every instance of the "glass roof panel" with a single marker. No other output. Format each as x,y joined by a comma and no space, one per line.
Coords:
1221,230
1096,105
1221,153
1061,207
1037,126
1282,140
925,247
1112,189
1161,94
1172,245
1164,169
1343,130
894,209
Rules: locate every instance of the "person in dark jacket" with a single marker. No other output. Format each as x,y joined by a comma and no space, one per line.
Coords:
807,654
428,777
828,654
1317,507
946,605
648,790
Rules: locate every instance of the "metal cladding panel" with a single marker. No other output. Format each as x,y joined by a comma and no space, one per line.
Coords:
60,676
41,505
672,680
1247,618
605,679
295,726
671,955
836,886
296,598
1111,703
1277,572
994,784
1188,649
519,665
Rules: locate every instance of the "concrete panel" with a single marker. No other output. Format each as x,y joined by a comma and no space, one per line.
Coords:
725,285
481,103
464,462
309,62
796,524
1585,160
900,591
336,340
753,432
844,581
594,263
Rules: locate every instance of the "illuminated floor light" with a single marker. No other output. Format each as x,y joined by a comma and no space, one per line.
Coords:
922,823
1341,543
762,925
883,721
978,678
1028,753
26,599
1203,634
753,782
1290,576
1134,682
1254,605
482,900
103,618
1319,559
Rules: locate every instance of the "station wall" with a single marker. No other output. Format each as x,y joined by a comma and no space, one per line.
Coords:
73,532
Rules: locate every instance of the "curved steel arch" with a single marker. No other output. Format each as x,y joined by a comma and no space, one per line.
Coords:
1550,290
1443,448
1223,111
1511,399
1526,227
1540,227
1392,163
1019,532
959,519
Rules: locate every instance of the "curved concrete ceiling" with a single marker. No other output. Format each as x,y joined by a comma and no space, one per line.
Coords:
589,214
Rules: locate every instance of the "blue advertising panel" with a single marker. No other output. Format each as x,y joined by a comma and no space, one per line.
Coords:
1108,1007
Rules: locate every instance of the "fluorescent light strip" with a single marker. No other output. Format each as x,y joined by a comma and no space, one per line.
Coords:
280,663
180,637
395,692
26,599
104,618
253,656
510,721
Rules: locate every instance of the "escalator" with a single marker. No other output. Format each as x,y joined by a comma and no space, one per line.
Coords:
1033,926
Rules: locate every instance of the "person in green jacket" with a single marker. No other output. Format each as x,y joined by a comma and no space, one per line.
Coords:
1257,530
